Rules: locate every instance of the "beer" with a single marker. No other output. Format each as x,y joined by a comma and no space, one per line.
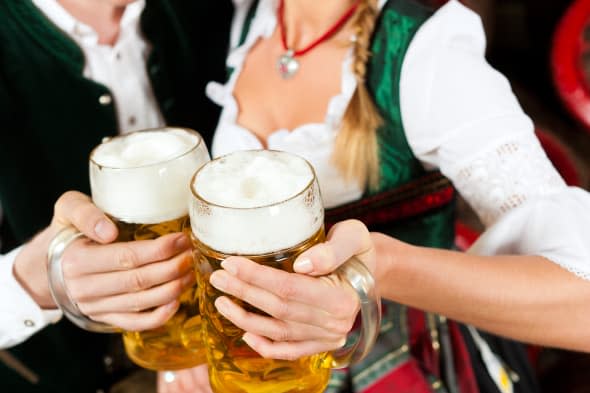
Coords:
141,181
228,352
266,206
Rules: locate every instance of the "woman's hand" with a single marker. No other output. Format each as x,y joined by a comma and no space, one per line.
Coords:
308,315
132,285
192,380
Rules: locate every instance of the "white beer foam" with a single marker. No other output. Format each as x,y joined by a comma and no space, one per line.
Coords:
144,177
256,202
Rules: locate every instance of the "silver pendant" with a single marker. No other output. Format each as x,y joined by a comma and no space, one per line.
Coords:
287,65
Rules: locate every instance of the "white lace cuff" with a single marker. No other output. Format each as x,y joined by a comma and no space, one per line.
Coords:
554,226
505,176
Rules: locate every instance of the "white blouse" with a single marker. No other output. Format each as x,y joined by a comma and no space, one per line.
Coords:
120,67
460,116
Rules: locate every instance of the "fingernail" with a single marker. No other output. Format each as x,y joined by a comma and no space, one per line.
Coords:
230,266
182,243
172,306
218,281
248,339
221,304
104,229
303,265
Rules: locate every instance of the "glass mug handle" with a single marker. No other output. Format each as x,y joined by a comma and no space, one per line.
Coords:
354,273
57,285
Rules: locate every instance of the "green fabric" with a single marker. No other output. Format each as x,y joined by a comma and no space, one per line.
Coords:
51,119
248,21
397,24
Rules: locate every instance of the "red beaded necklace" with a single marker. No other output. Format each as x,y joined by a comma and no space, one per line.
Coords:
287,64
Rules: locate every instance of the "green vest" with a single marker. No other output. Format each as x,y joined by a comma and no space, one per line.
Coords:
51,118
395,28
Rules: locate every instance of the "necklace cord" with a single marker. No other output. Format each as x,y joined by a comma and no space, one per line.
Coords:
337,26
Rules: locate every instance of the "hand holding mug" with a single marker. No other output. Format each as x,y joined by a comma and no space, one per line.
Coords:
306,315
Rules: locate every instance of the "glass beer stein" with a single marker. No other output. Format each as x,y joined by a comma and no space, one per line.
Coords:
266,206
141,181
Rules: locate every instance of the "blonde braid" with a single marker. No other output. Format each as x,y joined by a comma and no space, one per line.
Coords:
356,150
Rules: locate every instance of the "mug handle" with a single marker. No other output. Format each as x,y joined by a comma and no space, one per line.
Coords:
57,285
354,273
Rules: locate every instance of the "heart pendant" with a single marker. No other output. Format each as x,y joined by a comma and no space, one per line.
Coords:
287,65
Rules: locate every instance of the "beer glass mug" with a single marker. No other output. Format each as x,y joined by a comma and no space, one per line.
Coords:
141,181
266,206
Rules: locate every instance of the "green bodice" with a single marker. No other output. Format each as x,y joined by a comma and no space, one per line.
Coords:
398,22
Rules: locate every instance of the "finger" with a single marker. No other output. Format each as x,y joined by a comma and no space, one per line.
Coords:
201,378
140,301
288,350
346,239
136,322
94,286
162,384
85,258
195,380
276,329
75,208
168,386
243,278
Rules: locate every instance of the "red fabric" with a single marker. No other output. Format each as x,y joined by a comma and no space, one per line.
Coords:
417,197
465,376
421,343
559,157
465,236
410,377
407,378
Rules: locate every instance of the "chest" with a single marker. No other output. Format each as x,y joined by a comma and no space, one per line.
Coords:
268,102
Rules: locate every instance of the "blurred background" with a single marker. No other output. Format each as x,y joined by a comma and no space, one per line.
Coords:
543,47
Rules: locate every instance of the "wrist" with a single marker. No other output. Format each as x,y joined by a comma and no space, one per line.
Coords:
30,269
396,262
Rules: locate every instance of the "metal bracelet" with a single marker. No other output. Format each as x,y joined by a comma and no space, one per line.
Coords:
57,285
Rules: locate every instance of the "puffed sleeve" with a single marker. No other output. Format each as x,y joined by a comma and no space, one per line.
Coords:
461,116
241,8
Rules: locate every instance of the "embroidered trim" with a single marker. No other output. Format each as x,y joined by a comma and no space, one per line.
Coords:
505,177
419,196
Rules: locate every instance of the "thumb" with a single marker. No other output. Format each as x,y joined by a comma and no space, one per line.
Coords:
346,239
77,209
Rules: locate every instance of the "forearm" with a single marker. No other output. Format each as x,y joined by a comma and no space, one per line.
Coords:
524,297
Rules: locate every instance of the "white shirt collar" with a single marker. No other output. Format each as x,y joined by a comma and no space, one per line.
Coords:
78,30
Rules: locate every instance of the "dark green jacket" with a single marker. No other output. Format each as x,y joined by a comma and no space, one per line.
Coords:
51,117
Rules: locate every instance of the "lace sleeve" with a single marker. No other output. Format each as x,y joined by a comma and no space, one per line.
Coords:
461,116
505,177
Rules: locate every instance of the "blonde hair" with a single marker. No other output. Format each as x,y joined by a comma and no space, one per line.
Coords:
356,151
